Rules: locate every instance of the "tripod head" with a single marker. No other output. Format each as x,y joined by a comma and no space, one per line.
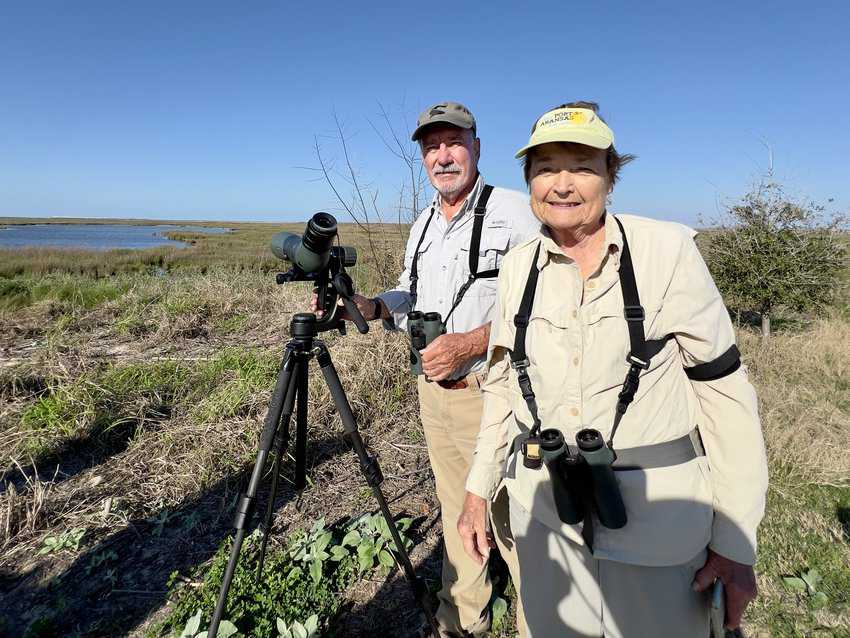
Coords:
315,259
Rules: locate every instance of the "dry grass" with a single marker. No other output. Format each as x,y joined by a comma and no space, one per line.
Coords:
804,395
164,386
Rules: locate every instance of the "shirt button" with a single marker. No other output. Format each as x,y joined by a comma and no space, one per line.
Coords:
575,314
574,411
575,361
591,285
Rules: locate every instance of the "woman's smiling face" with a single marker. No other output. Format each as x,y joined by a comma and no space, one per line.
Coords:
569,184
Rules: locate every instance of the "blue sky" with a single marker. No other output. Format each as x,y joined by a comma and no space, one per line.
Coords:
206,110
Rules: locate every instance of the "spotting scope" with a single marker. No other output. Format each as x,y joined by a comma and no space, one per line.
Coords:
312,252
314,258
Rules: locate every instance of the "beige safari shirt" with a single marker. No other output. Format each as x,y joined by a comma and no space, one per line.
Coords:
577,341
444,262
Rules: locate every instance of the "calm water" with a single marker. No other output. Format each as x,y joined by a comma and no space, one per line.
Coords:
95,236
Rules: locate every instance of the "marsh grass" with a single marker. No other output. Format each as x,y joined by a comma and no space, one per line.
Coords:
149,388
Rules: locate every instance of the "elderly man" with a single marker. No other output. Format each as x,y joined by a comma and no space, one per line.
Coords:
453,255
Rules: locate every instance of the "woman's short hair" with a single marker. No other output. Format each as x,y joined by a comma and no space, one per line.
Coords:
614,161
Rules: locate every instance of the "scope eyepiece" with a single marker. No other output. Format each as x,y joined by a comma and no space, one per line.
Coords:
320,232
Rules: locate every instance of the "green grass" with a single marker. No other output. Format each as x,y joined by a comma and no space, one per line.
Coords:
805,528
66,290
245,248
223,386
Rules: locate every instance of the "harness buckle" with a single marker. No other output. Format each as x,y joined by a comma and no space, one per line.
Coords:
635,361
521,365
634,313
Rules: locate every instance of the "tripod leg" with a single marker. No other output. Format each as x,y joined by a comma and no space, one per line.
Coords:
245,507
302,372
281,445
372,472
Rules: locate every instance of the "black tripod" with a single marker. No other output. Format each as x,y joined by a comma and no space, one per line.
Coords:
291,391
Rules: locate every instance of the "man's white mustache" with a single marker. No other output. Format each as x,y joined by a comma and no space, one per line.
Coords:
448,169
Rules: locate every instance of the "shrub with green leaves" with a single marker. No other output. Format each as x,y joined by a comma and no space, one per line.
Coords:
772,253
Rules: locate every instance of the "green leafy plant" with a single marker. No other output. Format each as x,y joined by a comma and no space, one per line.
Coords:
192,628
309,549
284,591
301,581
310,628
806,583
369,538
70,539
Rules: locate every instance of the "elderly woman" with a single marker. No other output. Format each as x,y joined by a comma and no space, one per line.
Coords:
611,328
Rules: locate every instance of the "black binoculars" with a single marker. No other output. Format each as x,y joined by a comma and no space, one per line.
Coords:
423,328
582,480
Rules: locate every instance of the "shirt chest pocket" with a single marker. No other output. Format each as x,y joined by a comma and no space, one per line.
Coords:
548,348
495,243
607,332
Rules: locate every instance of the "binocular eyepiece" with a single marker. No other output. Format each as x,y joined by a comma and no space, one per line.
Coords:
423,328
312,251
582,480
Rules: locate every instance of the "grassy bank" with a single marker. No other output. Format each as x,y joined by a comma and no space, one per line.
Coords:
133,387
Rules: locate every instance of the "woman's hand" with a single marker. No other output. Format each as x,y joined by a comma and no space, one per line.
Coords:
472,527
739,582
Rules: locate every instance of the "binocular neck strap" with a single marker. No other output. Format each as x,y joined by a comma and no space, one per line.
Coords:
639,354
414,266
519,359
474,247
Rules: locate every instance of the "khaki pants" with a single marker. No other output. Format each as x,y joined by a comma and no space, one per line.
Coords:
451,420
565,592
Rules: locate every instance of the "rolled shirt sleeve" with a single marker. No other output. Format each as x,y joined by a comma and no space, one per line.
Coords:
729,422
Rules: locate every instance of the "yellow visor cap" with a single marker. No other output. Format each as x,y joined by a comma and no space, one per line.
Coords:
581,126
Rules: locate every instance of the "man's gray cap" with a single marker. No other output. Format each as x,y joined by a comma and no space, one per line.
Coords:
445,113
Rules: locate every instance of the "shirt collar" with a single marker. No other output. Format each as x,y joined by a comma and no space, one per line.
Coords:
613,243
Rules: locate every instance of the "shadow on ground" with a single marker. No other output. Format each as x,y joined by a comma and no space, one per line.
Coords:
113,587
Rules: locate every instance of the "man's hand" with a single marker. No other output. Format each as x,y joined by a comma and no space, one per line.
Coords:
739,582
365,305
445,354
472,527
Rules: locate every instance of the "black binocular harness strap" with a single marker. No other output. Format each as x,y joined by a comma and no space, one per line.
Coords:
474,246
519,359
